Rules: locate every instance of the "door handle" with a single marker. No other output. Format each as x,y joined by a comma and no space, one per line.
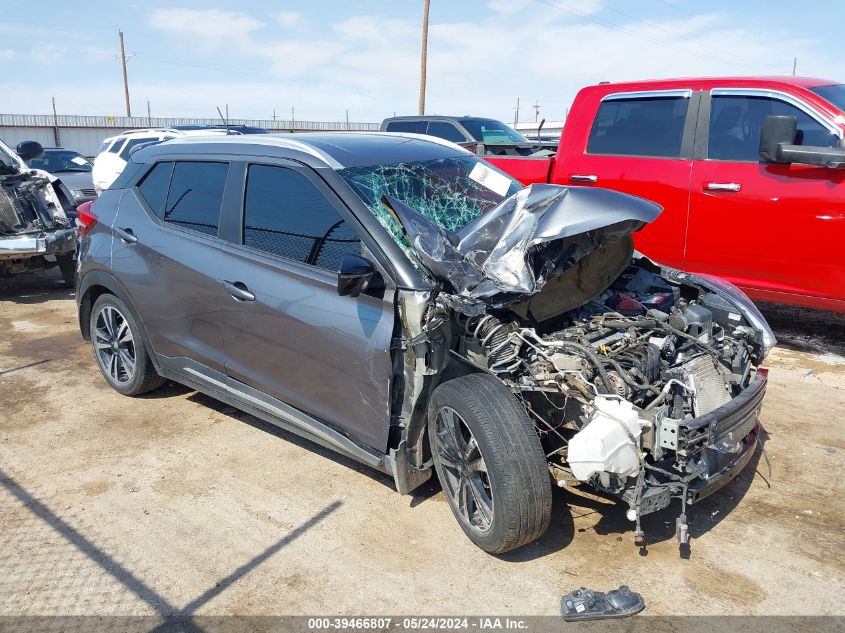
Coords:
238,290
723,186
583,178
126,235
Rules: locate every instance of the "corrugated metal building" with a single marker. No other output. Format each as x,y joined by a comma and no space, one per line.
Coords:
85,133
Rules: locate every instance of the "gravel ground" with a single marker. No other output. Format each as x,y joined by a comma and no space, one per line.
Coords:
175,502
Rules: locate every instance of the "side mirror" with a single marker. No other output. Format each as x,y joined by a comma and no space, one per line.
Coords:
776,130
28,150
777,145
357,275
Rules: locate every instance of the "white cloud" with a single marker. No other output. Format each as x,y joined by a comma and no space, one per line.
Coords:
289,19
211,25
7,53
46,53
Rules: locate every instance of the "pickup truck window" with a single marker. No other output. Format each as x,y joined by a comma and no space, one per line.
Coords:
492,131
736,120
652,126
446,131
414,127
834,93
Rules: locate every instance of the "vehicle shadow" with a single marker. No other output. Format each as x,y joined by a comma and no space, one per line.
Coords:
806,329
35,288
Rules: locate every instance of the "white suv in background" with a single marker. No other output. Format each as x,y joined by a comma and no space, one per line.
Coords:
114,152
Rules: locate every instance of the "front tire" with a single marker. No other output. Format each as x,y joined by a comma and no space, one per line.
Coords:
118,344
490,463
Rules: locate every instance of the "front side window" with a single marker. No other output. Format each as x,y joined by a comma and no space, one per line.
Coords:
285,214
644,126
195,195
736,121
446,131
57,161
116,147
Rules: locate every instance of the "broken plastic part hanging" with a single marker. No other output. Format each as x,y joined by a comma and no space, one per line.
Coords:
586,604
534,235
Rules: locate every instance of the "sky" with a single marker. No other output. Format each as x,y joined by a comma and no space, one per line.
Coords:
324,57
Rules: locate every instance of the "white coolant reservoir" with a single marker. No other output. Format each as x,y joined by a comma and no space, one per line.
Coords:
605,445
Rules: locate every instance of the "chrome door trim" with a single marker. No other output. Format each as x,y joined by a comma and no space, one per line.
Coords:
684,93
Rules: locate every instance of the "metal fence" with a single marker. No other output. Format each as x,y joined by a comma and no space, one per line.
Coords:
85,133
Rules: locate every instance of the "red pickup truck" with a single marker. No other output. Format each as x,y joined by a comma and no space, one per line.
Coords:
774,227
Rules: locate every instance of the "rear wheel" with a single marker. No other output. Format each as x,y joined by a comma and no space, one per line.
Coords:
118,343
490,463
67,266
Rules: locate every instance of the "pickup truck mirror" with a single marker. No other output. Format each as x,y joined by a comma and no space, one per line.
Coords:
28,150
777,145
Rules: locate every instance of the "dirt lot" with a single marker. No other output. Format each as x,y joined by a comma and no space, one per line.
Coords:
176,502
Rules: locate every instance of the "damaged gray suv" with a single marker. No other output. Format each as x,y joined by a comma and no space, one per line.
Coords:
398,300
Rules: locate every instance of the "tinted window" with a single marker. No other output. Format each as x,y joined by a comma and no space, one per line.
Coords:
835,94
195,195
446,131
285,214
134,142
639,127
735,123
415,127
114,149
492,131
154,187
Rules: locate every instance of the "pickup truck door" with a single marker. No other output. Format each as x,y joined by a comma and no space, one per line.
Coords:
774,230
638,143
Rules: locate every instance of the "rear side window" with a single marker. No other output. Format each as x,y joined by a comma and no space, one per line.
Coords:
195,195
154,187
414,127
134,142
285,214
114,149
446,131
639,127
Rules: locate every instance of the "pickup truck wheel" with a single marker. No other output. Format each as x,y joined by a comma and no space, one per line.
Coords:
118,343
67,266
489,462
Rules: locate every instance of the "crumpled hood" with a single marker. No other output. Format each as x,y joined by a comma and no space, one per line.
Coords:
527,239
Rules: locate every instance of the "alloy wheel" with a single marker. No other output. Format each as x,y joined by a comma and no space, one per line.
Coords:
114,344
465,479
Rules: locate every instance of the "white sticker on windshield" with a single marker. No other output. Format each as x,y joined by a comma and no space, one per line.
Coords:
78,160
490,178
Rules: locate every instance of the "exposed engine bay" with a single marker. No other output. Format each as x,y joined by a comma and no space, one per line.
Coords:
641,381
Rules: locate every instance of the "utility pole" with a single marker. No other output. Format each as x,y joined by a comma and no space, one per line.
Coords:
125,78
424,55
149,115
347,119
227,113
536,107
274,114
516,112
794,65
55,124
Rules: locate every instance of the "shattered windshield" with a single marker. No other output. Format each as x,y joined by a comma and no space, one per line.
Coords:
451,192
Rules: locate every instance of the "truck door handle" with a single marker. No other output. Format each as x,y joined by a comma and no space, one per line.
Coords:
126,235
238,290
723,186
583,178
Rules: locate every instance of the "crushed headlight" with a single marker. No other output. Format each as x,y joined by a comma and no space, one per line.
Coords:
745,306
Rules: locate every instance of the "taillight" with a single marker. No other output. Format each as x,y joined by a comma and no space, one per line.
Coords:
85,218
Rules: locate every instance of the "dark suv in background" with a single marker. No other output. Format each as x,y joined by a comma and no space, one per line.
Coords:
397,299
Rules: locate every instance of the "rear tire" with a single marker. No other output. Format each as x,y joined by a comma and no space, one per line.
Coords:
492,467
120,348
67,266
